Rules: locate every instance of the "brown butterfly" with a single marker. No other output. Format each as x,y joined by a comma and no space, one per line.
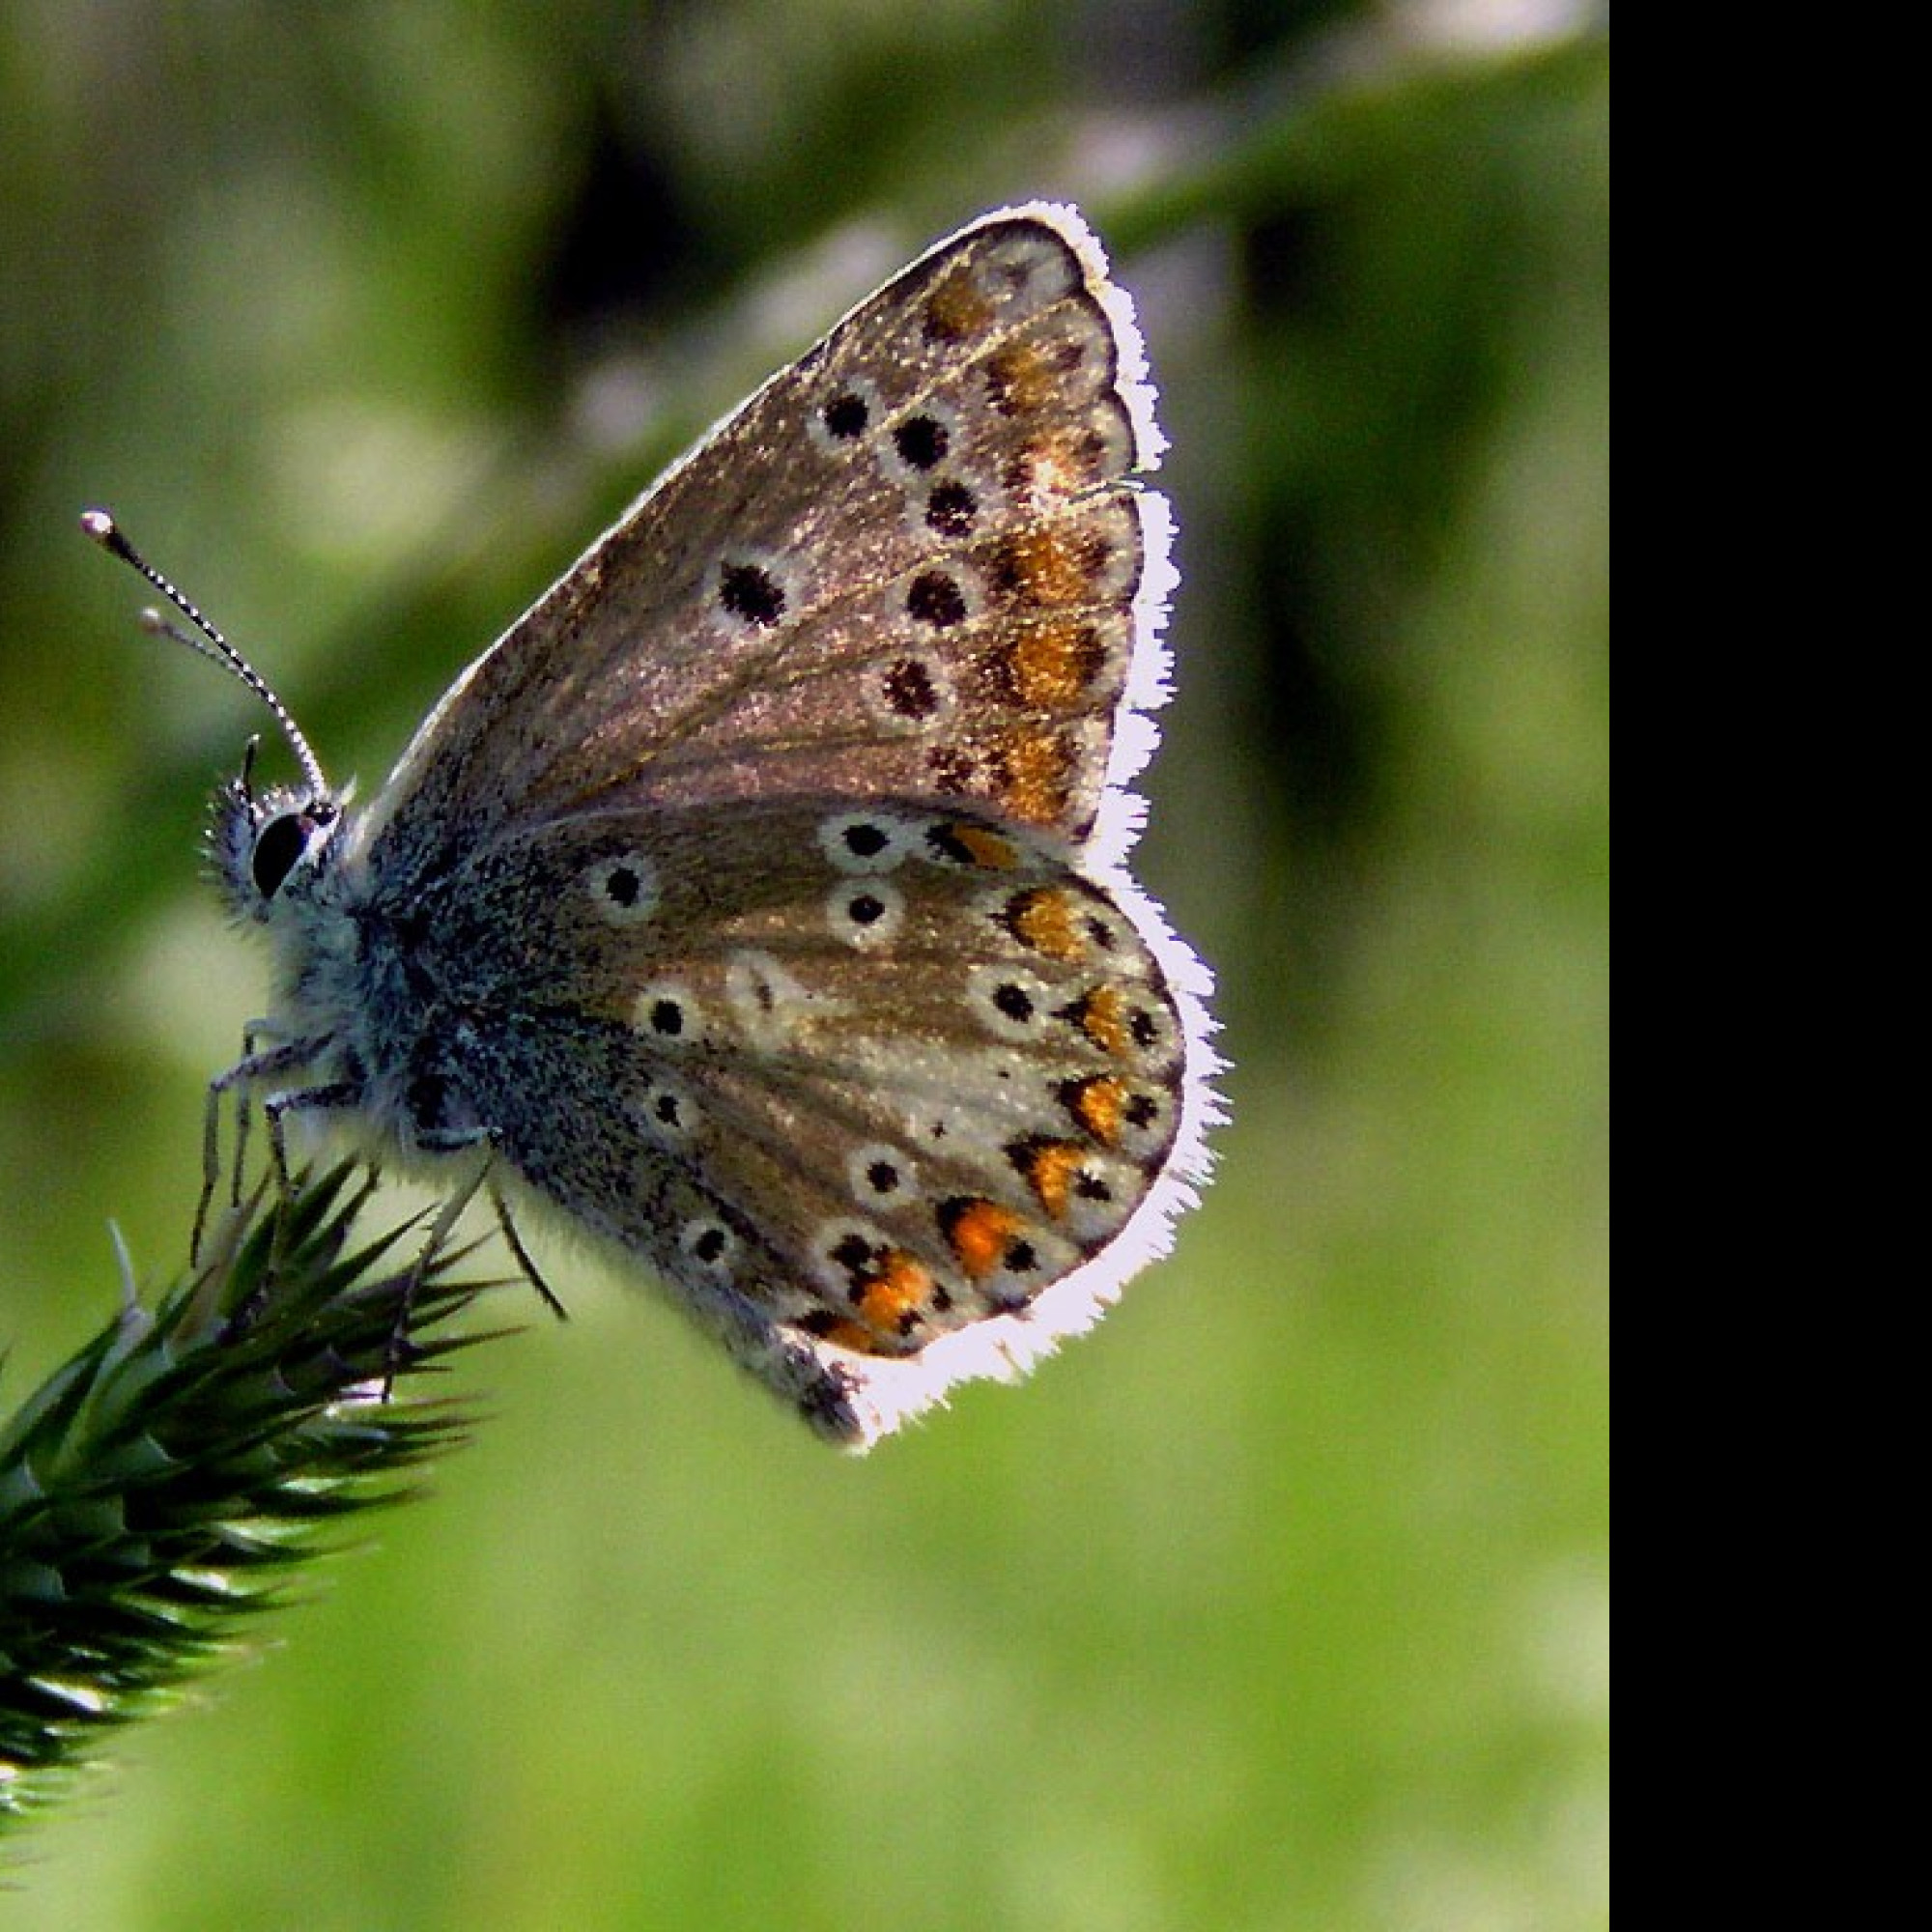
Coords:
759,902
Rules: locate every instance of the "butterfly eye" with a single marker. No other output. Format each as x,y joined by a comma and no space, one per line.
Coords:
278,845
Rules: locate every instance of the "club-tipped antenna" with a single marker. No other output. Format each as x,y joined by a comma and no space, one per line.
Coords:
209,643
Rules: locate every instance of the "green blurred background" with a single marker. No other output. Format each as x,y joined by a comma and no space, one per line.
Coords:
1280,1602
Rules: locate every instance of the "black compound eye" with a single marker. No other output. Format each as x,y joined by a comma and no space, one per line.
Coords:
278,846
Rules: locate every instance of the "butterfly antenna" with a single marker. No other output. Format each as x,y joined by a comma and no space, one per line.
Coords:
209,643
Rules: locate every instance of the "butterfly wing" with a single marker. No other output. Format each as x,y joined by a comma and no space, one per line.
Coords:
914,564
889,1097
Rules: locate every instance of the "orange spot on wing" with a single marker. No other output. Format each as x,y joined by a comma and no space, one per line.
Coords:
984,848
893,1298
1049,566
978,1232
1051,665
1050,1168
1044,919
1101,1017
1021,378
1035,770
1098,1105
957,307
850,1335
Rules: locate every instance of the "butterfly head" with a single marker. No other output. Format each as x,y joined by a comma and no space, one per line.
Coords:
264,844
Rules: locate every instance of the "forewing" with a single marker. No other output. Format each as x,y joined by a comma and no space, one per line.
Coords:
913,565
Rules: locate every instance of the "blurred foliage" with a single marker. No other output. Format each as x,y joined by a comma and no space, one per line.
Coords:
1280,1601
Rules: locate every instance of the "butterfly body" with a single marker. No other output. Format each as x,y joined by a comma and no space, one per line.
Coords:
759,901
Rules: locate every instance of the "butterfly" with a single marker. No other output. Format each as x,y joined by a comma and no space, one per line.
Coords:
758,904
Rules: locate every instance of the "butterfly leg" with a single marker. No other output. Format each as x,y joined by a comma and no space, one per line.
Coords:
441,1230
253,1065
453,1140
522,1256
302,1100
